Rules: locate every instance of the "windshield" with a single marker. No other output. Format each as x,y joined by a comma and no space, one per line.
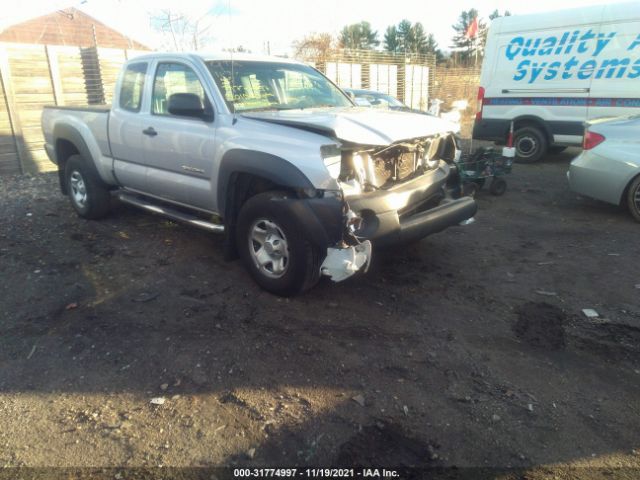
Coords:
366,98
394,102
274,86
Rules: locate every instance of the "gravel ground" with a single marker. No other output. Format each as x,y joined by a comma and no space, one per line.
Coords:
130,342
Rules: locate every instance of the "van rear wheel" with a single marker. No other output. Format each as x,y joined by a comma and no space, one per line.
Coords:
531,144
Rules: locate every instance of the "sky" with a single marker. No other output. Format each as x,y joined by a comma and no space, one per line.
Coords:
278,23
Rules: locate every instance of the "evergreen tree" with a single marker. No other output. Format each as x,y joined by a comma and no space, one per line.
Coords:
358,36
410,38
392,40
467,48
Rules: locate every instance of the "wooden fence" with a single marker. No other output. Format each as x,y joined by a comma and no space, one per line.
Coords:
458,83
32,76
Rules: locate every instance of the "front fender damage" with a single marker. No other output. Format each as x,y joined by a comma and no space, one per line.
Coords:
330,224
351,254
342,263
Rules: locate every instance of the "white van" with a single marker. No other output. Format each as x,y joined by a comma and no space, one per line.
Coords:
551,72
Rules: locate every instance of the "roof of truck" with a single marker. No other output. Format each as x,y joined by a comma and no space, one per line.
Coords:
212,56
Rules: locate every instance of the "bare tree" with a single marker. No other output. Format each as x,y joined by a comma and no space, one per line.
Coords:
316,47
182,31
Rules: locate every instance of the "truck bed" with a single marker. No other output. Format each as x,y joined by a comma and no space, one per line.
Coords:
94,117
81,108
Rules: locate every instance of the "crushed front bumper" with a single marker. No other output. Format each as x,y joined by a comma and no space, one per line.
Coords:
341,263
409,229
411,211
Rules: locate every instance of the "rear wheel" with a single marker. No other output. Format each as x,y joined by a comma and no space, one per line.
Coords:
274,248
531,144
89,198
633,198
498,186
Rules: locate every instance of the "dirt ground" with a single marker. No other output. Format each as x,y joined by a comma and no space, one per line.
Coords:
468,349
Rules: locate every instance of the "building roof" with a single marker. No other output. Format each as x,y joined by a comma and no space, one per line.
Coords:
68,27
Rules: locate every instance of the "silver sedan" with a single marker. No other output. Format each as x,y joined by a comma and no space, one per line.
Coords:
608,168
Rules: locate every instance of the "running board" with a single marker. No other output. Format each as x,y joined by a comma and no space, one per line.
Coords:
169,212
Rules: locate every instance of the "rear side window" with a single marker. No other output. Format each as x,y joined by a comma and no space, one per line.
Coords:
132,87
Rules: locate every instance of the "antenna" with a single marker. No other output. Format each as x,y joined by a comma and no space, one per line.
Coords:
233,90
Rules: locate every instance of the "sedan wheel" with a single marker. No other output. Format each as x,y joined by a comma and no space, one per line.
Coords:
633,198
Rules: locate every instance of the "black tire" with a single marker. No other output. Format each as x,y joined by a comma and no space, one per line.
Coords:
556,149
633,198
89,197
498,186
531,144
300,271
480,182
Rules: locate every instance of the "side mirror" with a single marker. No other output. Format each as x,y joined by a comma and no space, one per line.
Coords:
188,105
351,95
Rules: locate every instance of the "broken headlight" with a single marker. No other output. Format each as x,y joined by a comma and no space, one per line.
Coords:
332,158
429,153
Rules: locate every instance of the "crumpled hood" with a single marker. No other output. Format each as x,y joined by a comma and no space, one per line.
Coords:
364,125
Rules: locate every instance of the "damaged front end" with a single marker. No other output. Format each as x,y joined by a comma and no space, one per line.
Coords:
350,255
360,169
392,194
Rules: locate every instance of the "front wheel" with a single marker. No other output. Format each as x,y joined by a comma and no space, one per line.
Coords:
531,144
274,248
633,199
89,198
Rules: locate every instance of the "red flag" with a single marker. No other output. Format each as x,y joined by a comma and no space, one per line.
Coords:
472,29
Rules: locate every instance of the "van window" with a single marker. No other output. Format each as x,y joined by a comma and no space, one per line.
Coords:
132,87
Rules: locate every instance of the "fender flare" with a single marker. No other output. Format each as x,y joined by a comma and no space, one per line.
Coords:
271,167
532,119
71,134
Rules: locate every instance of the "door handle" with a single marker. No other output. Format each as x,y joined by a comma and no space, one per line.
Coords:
150,131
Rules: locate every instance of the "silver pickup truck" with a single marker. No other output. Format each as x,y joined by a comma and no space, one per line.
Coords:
267,151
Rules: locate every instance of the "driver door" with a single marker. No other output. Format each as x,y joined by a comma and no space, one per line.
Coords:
179,149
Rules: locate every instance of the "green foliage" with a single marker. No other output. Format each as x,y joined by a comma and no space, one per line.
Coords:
392,40
482,32
495,14
410,39
358,36
467,49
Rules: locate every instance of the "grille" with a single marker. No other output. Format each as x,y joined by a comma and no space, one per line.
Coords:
394,169
399,162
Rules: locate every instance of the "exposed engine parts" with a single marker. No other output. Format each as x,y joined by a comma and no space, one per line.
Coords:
366,169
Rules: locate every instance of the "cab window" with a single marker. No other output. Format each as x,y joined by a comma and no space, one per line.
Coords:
132,87
173,78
